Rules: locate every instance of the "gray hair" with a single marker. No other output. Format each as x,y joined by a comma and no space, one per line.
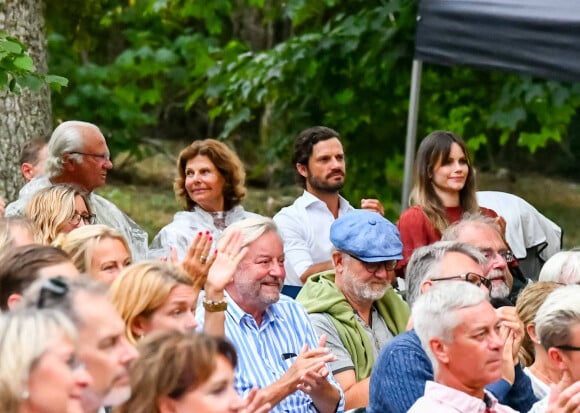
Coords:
24,337
424,264
557,316
66,138
67,302
453,231
562,267
435,312
252,229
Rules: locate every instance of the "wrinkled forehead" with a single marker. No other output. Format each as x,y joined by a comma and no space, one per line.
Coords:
482,236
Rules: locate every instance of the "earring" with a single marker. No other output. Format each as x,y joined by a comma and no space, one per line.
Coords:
25,394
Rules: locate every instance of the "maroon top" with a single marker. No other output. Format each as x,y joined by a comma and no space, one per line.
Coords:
416,230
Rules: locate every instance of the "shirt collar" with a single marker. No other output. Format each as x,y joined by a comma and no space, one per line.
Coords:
238,314
308,199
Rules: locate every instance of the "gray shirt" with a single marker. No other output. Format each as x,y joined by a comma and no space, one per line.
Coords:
379,335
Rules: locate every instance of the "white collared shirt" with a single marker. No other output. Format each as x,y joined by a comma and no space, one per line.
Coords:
305,230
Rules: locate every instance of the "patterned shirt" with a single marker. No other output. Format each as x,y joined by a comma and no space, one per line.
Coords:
267,351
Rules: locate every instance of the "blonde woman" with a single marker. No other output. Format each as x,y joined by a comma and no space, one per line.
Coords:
154,295
39,371
98,250
58,209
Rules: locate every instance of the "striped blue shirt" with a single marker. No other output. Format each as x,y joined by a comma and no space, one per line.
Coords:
285,329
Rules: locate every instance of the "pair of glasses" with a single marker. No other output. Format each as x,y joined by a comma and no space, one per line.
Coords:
88,219
568,348
51,288
470,277
102,156
490,254
374,267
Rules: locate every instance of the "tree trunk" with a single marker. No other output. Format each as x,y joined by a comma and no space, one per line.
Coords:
29,115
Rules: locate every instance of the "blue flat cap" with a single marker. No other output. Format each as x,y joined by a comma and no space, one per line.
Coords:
367,236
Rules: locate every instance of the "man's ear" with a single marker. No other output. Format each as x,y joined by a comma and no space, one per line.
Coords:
425,285
557,359
68,163
337,260
26,170
13,300
302,169
440,350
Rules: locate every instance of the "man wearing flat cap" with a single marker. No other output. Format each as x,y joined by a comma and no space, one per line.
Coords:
354,304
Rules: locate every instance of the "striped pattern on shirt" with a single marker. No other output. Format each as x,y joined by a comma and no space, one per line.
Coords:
285,328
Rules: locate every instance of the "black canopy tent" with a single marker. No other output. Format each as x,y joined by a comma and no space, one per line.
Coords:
533,37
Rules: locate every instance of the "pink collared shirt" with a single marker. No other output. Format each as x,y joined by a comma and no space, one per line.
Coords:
442,399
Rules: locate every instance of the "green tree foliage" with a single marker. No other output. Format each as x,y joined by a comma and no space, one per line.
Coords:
259,71
17,69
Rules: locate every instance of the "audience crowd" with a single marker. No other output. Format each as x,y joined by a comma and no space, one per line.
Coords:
324,308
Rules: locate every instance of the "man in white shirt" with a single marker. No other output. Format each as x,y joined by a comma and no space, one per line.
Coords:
305,225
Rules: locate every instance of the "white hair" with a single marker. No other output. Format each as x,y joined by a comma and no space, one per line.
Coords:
66,138
252,229
558,315
435,313
562,267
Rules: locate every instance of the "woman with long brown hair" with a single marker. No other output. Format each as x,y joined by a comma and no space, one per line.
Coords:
443,191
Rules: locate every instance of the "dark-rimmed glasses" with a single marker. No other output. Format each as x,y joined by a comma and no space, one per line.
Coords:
568,348
374,267
51,287
102,156
470,277
88,219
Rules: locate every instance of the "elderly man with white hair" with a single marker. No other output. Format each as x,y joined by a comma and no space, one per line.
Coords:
277,348
460,332
78,155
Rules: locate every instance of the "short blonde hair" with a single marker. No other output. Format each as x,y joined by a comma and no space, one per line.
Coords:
24,336
140,289
52,207
81,242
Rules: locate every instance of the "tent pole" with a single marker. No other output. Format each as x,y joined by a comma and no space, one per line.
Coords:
411,139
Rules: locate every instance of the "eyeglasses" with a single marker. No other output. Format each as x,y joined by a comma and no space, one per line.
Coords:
568,348
102,156
88,219
51,287
490,254
374,267
470,277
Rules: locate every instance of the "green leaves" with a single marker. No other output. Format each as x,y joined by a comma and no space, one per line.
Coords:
17,69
